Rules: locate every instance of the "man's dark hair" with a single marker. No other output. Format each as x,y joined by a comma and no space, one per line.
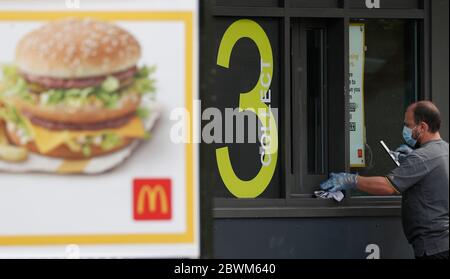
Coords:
427,112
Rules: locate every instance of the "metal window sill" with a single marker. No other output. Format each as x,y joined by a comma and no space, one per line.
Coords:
306,207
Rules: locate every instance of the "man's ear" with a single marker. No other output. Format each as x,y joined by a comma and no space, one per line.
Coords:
424,126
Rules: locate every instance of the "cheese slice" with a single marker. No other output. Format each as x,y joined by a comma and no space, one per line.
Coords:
47,140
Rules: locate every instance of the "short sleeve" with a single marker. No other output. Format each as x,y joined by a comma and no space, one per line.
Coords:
410,171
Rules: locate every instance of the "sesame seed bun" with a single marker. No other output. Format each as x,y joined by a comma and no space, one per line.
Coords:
77,48
64,152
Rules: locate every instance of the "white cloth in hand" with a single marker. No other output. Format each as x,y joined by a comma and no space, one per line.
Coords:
338,195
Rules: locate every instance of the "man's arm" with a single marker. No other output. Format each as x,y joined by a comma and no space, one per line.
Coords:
375,185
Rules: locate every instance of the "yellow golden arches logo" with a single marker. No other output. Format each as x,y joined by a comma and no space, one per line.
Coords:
151,194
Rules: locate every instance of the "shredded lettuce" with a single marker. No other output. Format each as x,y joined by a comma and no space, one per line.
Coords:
147,135
143,112
110,141
106,141
109,100
86,149
10,115
9,71
13,83
110,84
144,83
107,94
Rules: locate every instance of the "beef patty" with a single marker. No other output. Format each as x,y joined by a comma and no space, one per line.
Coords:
61,83
51,125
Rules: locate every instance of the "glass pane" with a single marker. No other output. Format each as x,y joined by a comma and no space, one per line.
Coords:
388,84
315,96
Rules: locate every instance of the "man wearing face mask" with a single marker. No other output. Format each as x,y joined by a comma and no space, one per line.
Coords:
403,150
422,178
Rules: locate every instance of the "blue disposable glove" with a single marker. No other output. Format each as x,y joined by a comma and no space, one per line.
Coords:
339,181
401,152
404,149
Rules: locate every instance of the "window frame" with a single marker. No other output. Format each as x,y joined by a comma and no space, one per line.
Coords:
304,181
293,205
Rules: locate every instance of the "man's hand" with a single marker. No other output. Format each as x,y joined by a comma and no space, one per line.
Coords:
404,149
339,181
401,152
397,155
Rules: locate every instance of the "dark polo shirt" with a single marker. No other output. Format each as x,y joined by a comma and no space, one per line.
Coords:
422,178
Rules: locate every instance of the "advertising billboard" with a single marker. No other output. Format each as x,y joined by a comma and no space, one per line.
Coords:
88,164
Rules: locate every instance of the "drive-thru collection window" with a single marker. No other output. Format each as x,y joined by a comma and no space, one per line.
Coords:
343,73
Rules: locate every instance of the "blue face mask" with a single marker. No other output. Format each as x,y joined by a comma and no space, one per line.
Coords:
407,136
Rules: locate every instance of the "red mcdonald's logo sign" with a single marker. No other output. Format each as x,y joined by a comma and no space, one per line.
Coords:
152,199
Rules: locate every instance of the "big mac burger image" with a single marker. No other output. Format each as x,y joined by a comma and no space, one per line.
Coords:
75,90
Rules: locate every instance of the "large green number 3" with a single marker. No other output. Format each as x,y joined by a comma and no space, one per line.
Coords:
251,101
